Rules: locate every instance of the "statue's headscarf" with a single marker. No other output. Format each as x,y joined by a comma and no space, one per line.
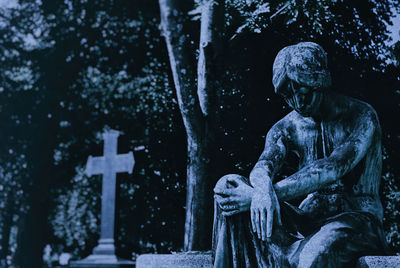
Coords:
305,63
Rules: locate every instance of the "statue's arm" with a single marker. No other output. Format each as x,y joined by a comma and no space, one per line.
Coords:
271,158
264,206
323,172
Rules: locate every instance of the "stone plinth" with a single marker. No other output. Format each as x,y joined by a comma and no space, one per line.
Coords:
379,262
102,261
179,260
204,260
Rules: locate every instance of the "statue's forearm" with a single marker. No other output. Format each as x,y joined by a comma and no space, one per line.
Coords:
261,176
309,179
270,161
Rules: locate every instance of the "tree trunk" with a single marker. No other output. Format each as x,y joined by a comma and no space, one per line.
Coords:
195,108
31,236
33,226
209,67
7,223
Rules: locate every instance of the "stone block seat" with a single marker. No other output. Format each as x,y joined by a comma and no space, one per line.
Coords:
204,260
177,260
379,262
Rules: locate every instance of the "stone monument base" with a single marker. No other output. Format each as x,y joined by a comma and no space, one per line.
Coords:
204,260
177,260
379,262
102,261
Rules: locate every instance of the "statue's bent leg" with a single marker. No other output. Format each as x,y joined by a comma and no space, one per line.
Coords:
340,241
231,234
235,244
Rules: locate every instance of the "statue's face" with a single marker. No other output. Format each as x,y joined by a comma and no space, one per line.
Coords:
304,100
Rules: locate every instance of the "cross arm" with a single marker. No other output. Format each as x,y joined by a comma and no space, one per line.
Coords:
124,163
95,166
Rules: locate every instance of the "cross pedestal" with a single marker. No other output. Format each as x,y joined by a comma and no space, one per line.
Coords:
107,165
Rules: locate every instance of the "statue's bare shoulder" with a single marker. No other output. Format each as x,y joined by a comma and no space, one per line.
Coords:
351,116
360,109
358,117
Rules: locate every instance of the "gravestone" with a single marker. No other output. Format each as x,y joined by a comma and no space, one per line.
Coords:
107,165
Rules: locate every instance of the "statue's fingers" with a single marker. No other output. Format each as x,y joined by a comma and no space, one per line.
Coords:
225,201
218,198
263,224
270,220
278,214
223,192
232,199
228,207
230,212
253,220
218,190
222,201
258,224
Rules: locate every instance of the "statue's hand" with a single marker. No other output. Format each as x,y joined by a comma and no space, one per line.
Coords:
235,199
264,207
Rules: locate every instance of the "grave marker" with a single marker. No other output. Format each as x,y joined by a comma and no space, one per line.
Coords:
107,165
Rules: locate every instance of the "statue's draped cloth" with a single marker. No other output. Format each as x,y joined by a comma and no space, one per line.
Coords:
323,232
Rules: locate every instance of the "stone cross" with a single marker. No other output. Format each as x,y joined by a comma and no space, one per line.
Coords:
108,165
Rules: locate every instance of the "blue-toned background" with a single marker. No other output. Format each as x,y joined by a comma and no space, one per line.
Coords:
69,68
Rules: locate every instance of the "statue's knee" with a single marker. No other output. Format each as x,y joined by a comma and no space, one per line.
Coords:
334,231
323,245
227,182
230,181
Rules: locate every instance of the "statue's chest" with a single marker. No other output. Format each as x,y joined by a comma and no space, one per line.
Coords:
318,140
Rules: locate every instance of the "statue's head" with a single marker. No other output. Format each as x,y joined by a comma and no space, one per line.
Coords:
301,75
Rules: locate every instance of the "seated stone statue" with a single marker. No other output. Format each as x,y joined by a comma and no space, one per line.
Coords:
337,140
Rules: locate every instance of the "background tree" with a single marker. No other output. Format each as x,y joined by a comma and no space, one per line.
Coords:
197,106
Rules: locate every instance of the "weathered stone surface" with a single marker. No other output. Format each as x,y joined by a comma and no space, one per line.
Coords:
330,145
379,262
181,260
185,260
